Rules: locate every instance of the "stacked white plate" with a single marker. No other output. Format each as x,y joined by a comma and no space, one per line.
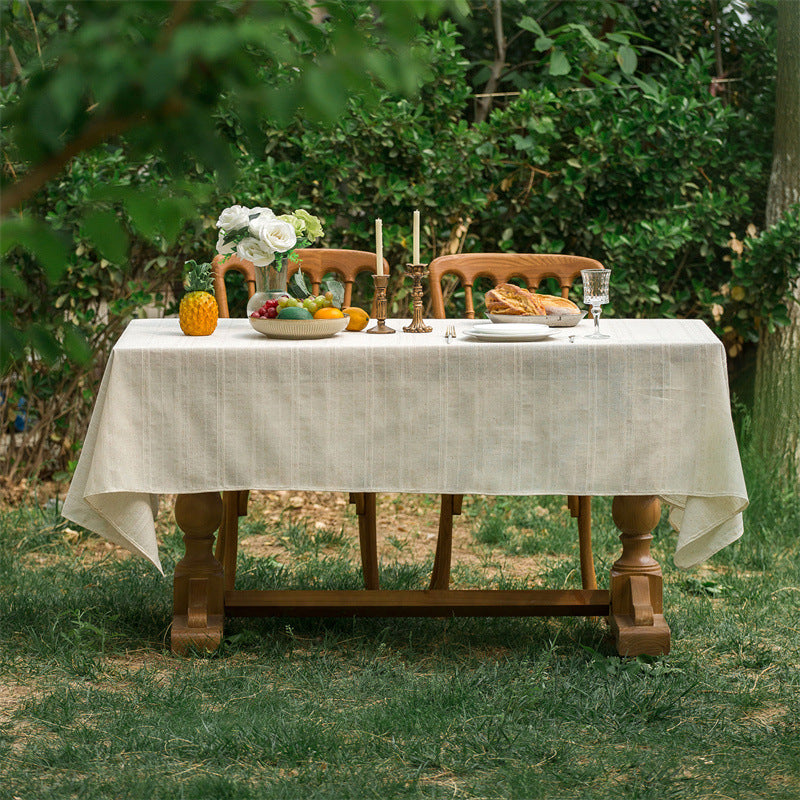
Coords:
511,332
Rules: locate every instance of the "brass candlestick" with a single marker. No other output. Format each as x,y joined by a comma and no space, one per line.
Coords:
417,273
381,282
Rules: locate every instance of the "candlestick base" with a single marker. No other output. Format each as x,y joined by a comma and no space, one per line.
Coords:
417,273
381,282
381,327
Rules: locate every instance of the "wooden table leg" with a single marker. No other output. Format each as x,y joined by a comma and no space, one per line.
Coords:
637,614
440,575
366,509
198,586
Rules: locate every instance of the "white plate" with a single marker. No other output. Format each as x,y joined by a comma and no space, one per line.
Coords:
299,328
551,320
521,332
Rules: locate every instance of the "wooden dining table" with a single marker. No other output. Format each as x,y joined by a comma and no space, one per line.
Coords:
643,416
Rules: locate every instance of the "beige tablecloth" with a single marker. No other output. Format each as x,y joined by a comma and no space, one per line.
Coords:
644,412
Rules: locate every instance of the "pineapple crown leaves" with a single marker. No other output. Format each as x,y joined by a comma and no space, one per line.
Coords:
198,277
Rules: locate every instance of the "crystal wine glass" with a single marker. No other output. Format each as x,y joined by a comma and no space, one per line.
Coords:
595,294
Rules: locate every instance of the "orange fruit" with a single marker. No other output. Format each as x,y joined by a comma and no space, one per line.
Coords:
358,318
328,313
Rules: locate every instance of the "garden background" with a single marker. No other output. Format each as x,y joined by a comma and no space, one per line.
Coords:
645,134
636,134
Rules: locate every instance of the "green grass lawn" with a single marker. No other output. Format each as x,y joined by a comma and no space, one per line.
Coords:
92,703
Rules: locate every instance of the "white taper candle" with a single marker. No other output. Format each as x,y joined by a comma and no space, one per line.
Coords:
416,238
379,245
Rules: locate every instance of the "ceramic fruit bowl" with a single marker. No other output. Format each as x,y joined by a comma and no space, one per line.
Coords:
299,328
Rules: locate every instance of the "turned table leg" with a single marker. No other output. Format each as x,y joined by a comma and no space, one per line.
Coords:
637,614
366,509
198,602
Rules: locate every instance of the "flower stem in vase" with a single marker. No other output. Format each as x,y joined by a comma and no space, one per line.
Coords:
270,282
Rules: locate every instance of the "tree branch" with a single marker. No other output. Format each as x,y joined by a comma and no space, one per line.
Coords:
484,105
718,45
180,10
98,131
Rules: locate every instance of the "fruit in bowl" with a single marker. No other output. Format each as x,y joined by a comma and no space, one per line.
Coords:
328,313
292,312
268,311
298,325
275,308
289,318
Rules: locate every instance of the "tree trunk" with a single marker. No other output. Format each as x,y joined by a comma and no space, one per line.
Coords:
776,415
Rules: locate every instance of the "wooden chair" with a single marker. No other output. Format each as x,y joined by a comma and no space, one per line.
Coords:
315,263
532,269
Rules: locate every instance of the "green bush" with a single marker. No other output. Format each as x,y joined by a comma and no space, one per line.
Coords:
639,178
381,162
764,270
74,320
648,172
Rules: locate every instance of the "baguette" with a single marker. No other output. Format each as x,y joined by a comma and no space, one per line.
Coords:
557,305
510,299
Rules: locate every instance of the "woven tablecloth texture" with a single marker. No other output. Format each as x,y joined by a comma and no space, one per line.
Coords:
644,412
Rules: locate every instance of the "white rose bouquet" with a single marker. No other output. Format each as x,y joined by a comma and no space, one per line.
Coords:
258,235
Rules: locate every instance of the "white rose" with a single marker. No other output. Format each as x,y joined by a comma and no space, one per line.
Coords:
265,213
275,233
233,218
255,250
222,248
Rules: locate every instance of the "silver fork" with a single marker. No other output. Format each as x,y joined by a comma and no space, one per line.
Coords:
450,333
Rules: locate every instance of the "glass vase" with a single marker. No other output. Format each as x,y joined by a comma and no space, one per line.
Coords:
271,282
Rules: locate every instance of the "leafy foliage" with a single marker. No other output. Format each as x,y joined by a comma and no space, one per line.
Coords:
198,277
764,269
104,240
649,169
638,178
159,73
63,322
598,45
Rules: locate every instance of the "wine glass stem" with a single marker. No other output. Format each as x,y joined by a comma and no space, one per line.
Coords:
596,311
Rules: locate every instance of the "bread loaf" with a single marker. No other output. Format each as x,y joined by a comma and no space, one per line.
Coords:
557,305
510,299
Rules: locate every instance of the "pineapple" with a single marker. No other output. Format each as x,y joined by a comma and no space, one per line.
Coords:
198,311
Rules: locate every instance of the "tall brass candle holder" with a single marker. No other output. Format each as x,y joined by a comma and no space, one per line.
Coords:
417,273
381,282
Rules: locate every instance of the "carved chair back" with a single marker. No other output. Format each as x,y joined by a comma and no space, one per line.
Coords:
532,268
315,262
